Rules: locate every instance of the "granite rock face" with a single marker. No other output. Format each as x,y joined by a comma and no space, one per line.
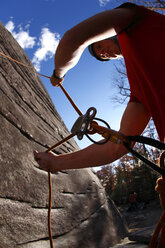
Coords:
81,215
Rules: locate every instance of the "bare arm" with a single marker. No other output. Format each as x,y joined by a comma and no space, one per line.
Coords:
98,27
134,121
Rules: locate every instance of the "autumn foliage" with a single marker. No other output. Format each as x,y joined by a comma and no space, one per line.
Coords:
129,174
158,5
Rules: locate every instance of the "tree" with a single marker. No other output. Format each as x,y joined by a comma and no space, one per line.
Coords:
107,179
153,5
121,83
130,174
157,5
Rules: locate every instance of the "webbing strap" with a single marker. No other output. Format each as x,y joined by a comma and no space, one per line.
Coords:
148,141
145,160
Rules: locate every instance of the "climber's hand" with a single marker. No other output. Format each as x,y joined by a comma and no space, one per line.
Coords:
55,80
46,161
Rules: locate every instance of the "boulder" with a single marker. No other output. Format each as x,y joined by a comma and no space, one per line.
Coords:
143,235
81,214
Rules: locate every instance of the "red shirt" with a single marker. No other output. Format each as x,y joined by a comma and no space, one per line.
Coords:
143,49
132,197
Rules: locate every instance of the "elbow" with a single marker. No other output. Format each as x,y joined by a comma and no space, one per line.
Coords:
66,40
115,151
69,39
67,45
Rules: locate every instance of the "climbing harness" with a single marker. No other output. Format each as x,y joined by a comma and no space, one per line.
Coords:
87,124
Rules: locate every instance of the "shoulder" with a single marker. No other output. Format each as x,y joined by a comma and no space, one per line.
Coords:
131,6
127,5
138,10
138,13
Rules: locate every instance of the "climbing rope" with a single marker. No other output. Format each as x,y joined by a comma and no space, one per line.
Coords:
87,124
49,210
49,174
6,56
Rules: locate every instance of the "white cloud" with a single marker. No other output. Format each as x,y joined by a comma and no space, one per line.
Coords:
48,43
103,2
10,26
22,36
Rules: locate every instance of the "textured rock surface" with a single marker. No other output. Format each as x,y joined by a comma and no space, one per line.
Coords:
81,215
143,235
126,243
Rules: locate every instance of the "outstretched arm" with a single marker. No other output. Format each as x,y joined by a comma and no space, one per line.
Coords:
133,122
98,27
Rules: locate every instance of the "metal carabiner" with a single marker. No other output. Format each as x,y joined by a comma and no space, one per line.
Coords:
81,125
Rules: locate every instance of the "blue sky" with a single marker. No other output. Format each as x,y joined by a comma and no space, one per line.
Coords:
38,25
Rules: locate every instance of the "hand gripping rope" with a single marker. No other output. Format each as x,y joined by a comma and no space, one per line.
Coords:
87,125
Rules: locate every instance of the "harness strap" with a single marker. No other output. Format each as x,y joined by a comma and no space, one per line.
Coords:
117,137
145,160
148,141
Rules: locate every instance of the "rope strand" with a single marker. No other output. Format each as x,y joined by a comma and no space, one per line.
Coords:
49,174
16,61
70,100
49,209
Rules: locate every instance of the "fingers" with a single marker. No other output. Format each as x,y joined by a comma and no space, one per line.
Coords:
45,161
56,81
36,157
39,158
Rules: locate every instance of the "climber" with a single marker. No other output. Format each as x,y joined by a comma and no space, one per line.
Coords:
132,201
137,34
